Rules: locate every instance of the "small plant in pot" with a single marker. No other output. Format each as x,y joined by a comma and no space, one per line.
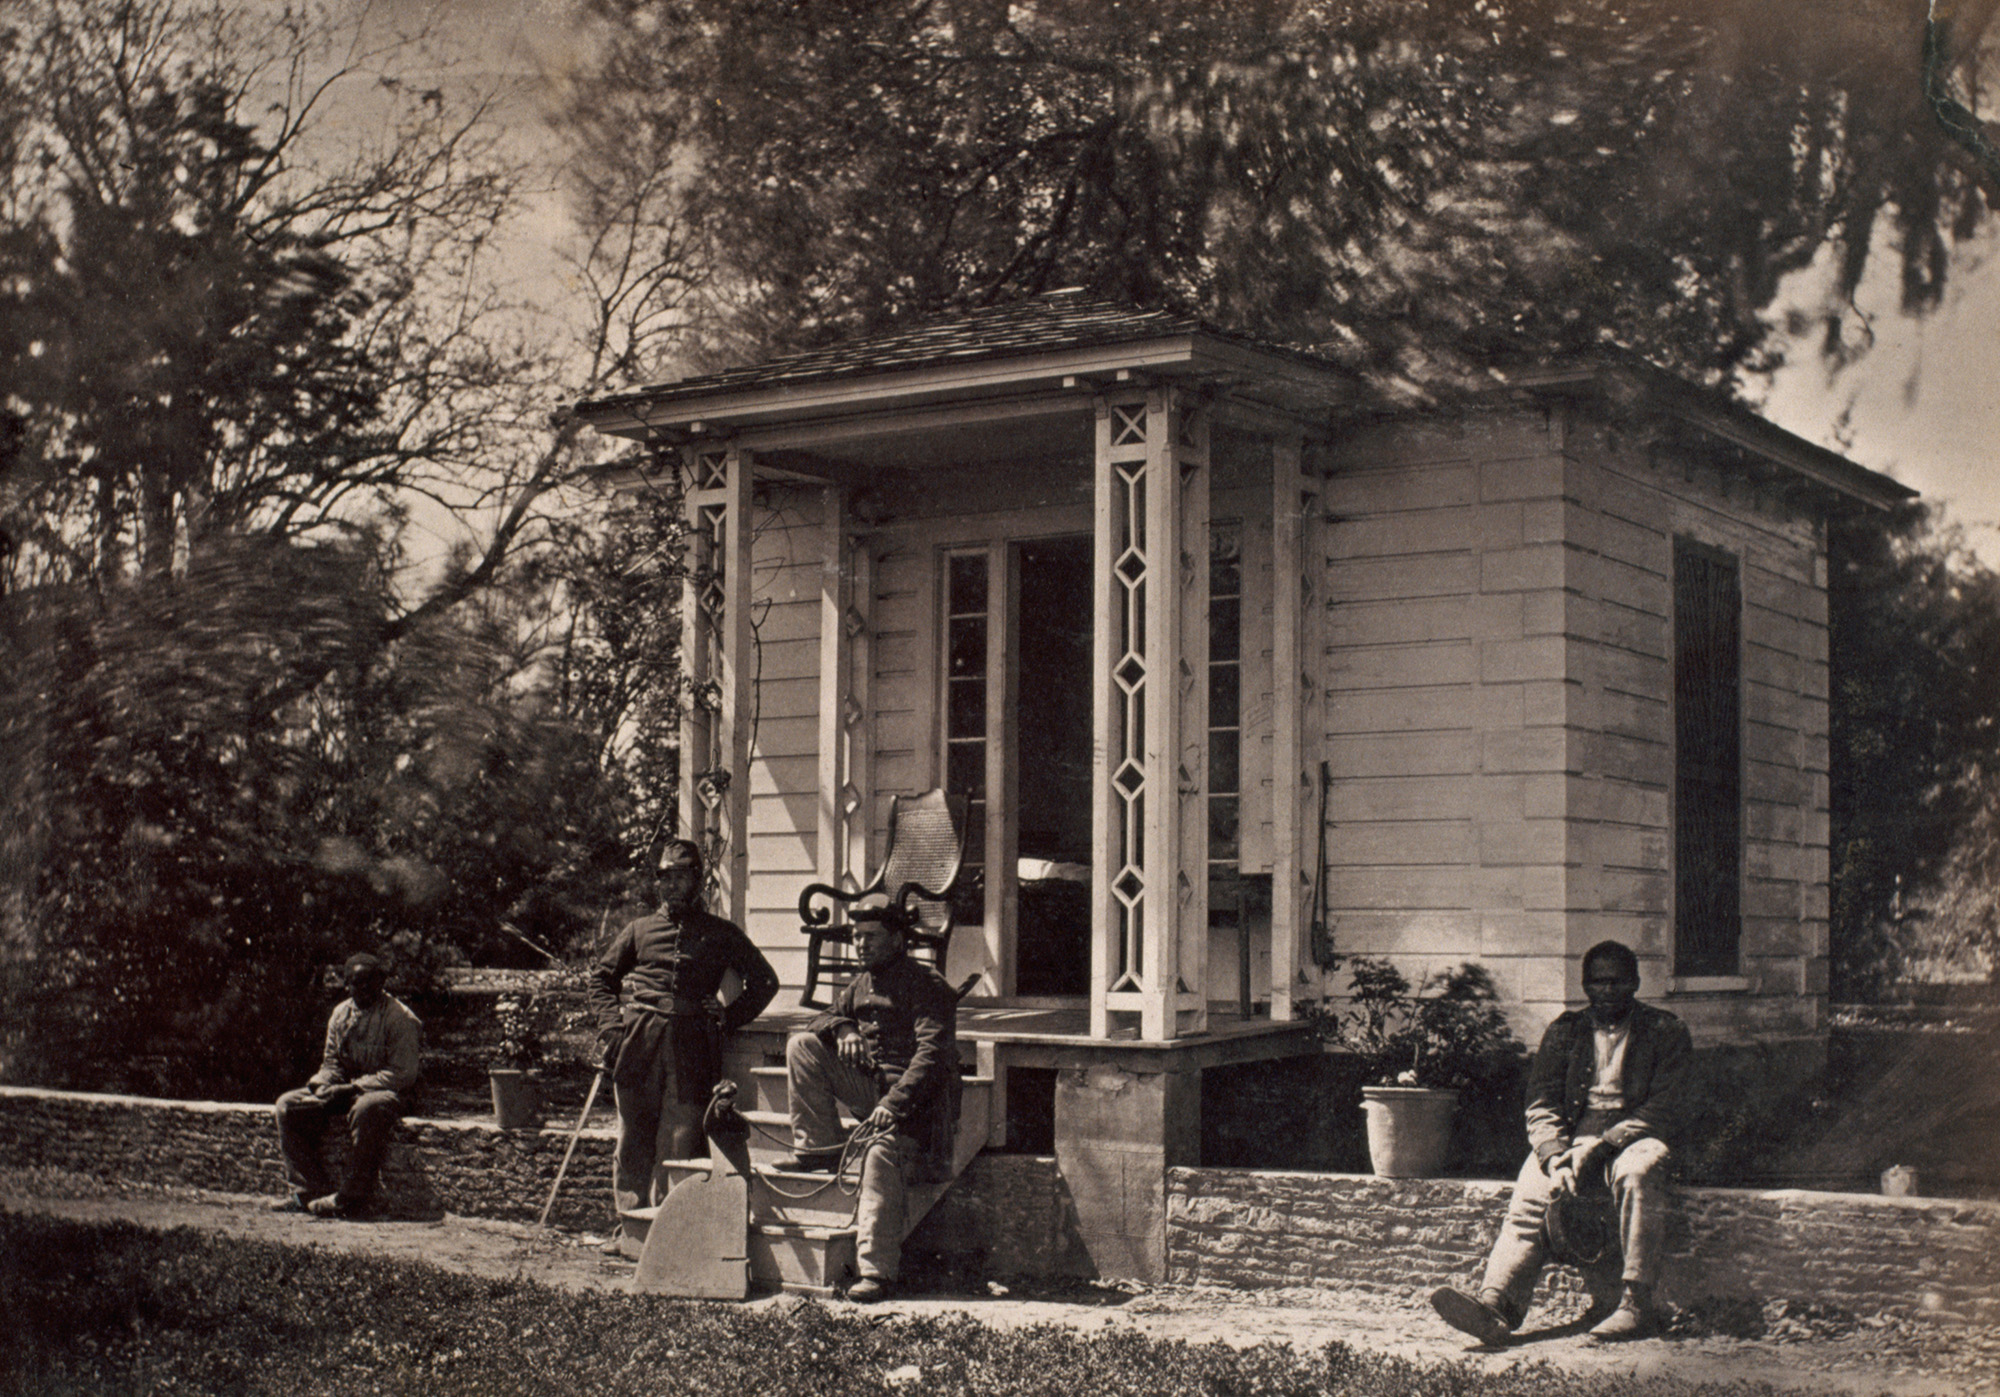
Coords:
528,1020
1422,1045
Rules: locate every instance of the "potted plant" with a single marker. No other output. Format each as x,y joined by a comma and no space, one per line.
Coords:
527,1019
1421,1047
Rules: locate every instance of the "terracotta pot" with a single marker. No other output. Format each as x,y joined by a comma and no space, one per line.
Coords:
1409,1129
517,1098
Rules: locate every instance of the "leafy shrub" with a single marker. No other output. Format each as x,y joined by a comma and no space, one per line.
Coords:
1447,1031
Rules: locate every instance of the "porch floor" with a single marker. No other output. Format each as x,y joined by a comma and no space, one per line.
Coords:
1059,1035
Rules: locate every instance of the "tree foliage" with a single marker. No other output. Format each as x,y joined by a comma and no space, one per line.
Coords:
1418,189
198,854
1915,750
243,345
215,319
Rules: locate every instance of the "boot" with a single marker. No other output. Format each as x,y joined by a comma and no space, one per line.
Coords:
1483,1318
1634,1317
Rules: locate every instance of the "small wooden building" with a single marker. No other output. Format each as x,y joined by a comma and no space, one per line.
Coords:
1232,671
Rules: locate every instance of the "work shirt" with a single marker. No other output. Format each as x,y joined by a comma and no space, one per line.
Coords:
908,1016
679,956
1607,1090
376,1049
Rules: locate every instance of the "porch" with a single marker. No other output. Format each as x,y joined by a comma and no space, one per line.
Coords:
1116,1114
1042,558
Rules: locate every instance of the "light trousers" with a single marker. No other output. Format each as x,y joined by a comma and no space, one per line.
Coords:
820,1083
1641,1192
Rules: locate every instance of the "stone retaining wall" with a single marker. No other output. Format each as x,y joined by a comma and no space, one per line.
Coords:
1006,1216
1011,1215
1859,1252
469,1167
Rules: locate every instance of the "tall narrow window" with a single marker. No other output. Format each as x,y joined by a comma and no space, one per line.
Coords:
1225,723
967,617
1708,767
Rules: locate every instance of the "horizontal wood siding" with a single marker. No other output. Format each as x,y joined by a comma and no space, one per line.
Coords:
1445,702
1624,510
1499,687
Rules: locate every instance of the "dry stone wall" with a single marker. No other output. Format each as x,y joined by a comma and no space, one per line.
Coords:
469,1167
1866,1254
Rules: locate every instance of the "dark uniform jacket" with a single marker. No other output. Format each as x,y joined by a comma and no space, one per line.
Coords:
1656,1084
670,967
908,1016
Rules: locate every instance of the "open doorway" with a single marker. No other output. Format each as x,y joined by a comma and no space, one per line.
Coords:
1053,739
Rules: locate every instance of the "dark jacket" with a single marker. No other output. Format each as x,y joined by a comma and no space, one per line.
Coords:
1656,1084
674,964
909,1017
661,958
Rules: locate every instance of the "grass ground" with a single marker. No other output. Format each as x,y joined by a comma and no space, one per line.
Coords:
215,1296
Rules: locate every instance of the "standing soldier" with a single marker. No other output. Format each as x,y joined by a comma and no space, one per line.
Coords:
663,1044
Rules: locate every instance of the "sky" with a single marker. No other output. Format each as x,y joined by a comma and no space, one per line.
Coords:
1923,405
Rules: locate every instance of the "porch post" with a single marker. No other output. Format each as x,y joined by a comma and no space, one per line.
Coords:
715,654
843,696
1295,687
1149,900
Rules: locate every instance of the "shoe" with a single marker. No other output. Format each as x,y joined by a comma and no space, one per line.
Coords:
1472,1316
290,1203
810,1162
1633,1319
868,1290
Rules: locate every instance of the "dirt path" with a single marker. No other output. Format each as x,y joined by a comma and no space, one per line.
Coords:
1896,1357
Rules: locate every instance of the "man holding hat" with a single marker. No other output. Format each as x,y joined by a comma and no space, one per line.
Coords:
661,1023
373,1045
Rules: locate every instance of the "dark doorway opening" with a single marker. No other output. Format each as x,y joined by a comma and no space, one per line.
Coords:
1053,744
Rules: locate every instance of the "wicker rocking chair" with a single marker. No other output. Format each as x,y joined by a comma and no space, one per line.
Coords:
926,846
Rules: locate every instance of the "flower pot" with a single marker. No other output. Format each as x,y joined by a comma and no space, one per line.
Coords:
517,1098
1409,1129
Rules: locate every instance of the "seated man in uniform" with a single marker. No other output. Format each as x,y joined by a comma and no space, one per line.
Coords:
887,1049
373,1044
1607,1093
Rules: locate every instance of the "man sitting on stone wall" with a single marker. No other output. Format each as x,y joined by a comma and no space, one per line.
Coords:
373,1045
1607,1093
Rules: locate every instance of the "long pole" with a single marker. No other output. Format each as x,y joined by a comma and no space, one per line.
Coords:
589,1100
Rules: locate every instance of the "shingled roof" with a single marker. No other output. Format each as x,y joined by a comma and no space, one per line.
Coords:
1053,320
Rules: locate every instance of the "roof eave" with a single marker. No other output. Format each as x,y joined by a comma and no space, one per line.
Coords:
1662,392
673,410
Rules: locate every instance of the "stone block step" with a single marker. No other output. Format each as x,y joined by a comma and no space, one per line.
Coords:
803,1260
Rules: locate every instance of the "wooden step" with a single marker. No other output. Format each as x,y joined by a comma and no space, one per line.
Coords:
776,1196
800,1226
770,1089
803,1260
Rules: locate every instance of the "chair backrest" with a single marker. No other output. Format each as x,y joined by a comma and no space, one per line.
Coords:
926,847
